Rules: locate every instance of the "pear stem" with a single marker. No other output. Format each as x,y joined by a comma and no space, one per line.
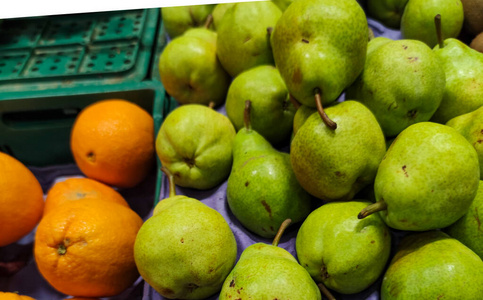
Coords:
375,207
325,291
209,21
211,104
172,186
280,231
269,31
437,23
318,100
246,115
294,101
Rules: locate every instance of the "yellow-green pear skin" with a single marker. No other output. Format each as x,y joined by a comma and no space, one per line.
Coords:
468,230
268,272
202,33
262,190
190,71
464,80
320,44
402,83
341,251
185,250
243,41
195,144
271,111
470,126
178,19
335,164
389,12
428,178
301,115
432,265
282,4
417,22
219,12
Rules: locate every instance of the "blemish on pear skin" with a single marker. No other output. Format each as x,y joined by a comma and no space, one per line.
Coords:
182,240
413,59
297,76
271,228
440,296
232,283
372,242
338,174
252,158
166,291
477,218
247,183
305,41
404,170
405,47
267,207
246,40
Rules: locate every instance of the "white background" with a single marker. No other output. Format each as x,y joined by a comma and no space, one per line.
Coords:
30,8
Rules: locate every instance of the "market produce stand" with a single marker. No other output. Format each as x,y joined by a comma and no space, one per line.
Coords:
56,67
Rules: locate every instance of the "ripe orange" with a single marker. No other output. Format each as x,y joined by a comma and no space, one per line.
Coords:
21,200
112,141
73,189
13,296
85,248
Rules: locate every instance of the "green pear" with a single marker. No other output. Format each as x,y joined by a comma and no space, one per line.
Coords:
335,164
389,12
282,4
178,19
319,47
418,20
355,266
468,229
402,83
262,190
243,41
301,115
195,144
470,125
427,179
271,111
374,44
269,272
219,12
431,265
186,249
190,70
202,33
464,80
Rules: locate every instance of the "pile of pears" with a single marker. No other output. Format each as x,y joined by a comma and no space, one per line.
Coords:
338,161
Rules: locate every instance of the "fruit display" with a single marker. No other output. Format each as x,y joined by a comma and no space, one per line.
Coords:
313,153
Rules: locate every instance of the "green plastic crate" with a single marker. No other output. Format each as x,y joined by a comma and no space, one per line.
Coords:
161,42
76,50
36,130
